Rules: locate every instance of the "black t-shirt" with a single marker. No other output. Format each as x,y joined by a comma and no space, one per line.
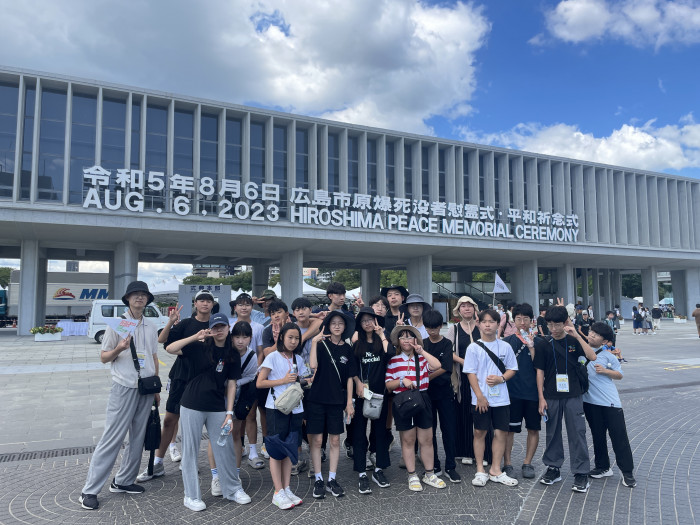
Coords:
326,388
185,328
541,323
584,325
568,351
441,386
207,386
390,321
268,339
372,368
656,313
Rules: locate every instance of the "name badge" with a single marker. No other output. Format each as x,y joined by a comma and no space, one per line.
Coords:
494,391
220,366
142,360
367,393
562,383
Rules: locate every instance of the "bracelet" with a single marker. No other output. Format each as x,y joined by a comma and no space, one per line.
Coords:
229,412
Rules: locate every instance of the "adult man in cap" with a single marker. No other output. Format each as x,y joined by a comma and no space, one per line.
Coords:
264,301
396,295
179,376
127,409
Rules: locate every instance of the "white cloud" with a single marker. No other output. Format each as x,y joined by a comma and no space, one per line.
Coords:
377,62
638,22
647,147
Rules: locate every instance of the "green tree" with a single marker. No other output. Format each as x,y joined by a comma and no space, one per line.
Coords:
390,277
442,277
632,285
349,278
5,272
273,280
243,281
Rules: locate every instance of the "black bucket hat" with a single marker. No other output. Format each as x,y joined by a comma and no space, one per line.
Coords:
137,286
349,323
367,310
401,289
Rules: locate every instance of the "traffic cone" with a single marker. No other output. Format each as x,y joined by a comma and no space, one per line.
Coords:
14,323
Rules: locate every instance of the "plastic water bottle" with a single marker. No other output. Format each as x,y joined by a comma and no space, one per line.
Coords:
526,337
225,433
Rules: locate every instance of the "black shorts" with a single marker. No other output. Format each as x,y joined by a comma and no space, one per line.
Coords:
320,418
524,408
423,419
496,417
177,388
262,396
281,424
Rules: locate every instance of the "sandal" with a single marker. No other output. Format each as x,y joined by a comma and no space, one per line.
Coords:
414,483
504,478
480,479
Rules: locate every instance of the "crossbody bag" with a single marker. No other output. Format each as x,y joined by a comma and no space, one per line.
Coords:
146,385
410,402
290,398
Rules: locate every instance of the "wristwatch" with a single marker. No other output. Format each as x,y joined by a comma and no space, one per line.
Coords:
504,379
229,412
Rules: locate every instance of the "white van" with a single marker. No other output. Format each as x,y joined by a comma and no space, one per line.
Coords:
116,308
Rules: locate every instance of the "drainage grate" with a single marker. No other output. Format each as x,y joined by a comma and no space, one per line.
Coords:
46,454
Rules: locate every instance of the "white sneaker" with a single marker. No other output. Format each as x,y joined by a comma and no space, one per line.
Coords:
296,500
263,452
467,461
194,504
175,455
216,487
282,501
158,471
241,497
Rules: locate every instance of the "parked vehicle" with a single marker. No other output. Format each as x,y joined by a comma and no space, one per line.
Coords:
113,308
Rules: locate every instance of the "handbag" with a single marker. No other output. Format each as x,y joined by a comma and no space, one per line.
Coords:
372,408
146,385
410,402
247,396
289,399
152,439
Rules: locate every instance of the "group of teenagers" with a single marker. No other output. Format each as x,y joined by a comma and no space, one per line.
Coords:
387,365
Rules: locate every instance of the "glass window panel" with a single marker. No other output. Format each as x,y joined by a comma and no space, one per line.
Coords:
209,149
113,137
8,124
84,109
135,134
210,128
233,131
280,138
257,135
53,105
113,113
8,99
27,143
81,133
53,147
425,173
302,141
156,120
184,123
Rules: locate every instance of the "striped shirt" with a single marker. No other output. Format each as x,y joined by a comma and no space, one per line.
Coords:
401,365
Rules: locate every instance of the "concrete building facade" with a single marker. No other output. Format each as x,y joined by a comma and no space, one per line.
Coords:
97,171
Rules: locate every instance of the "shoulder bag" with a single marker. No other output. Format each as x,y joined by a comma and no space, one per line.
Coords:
146,385
410,402
456,376
289,399
496,360
372,407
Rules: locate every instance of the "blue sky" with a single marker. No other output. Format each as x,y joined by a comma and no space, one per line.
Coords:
615,82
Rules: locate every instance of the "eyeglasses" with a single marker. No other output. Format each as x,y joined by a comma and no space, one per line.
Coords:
367,321
406,337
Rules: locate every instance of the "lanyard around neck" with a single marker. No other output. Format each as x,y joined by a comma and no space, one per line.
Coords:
566,360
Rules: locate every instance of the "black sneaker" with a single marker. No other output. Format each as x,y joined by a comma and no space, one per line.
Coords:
380,479
551,476
334,488
581,483
598,473
129,489
363,485
319,489
628,480
453,476
89,501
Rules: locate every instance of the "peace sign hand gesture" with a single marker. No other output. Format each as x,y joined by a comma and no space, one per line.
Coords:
377,328
400,320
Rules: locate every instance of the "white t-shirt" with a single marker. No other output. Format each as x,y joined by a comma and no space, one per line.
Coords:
279,367
477,361
256,340
421,329
146,343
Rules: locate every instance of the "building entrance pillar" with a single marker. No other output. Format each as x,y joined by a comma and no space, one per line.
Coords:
292,275
31,303
420,277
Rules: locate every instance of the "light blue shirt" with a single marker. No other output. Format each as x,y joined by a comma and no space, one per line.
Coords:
601,389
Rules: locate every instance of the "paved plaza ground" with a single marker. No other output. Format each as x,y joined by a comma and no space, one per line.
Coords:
52,415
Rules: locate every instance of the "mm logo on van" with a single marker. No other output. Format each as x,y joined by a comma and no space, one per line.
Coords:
94,293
